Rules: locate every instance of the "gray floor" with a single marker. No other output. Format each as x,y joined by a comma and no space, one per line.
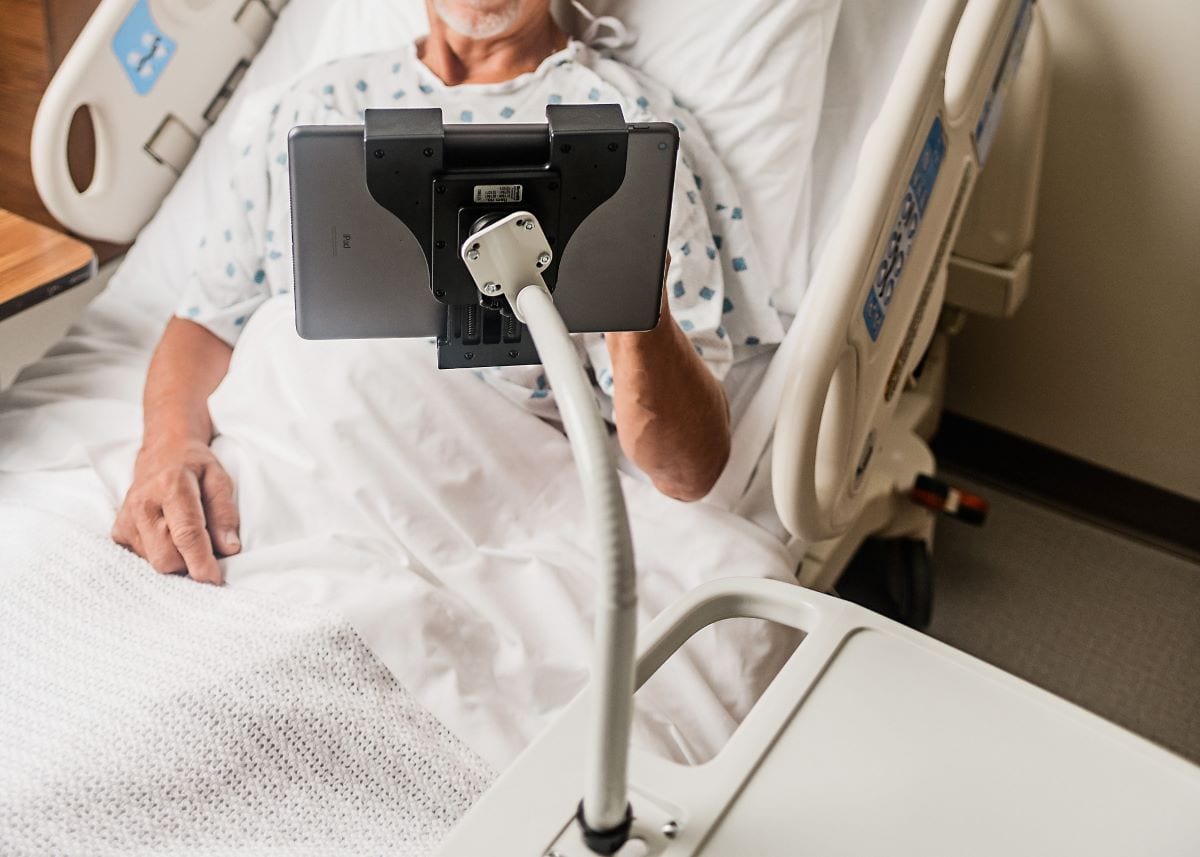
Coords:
1104,621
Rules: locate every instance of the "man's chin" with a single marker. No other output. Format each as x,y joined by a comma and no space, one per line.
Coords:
478,20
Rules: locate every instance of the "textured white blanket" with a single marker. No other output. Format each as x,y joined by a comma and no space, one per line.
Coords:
146,714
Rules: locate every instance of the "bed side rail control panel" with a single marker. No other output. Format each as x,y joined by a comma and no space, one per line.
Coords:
154,74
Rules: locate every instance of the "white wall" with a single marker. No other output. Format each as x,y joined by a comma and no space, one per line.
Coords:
1103,360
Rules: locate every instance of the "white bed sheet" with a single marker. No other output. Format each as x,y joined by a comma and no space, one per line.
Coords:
452,539
493,642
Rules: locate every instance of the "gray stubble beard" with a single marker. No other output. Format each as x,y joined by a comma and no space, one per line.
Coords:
481,24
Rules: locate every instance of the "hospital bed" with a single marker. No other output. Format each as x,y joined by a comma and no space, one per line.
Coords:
886,410
825,452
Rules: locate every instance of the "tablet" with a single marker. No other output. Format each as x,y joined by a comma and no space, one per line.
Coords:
360,272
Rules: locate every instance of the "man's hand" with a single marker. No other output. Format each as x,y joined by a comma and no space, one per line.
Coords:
180,511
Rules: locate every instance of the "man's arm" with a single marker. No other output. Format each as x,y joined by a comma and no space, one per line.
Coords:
180,507
672,415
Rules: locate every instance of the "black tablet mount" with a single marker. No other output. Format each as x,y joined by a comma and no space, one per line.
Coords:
447,182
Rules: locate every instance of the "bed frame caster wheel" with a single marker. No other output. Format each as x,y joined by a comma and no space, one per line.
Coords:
893,577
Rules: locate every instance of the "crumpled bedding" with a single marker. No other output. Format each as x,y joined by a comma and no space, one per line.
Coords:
402,568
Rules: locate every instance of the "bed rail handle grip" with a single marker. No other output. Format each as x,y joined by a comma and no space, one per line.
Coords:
49,159
110,208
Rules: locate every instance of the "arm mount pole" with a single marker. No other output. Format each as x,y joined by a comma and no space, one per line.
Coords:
507,257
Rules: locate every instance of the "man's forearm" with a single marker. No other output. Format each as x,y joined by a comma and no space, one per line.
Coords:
187,366
672,415
179,512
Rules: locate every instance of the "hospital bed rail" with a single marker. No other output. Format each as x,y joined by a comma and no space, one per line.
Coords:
989,269
181,87
839,408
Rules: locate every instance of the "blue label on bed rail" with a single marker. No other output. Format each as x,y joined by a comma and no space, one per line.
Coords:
989,117
904,233
142,49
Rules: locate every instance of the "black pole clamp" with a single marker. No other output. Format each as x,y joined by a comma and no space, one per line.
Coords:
606,841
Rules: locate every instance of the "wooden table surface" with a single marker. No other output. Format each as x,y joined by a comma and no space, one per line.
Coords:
37,263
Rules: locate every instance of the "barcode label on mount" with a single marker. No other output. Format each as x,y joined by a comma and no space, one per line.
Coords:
499,192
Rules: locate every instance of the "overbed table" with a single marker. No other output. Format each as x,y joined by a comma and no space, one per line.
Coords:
46,281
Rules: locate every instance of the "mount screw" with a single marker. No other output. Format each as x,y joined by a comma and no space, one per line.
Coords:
473,255
670,830
529,224
543,260
490,289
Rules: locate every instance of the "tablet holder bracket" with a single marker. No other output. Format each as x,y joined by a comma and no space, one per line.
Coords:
446,182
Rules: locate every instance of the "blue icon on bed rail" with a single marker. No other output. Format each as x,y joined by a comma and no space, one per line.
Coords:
904,233
142,49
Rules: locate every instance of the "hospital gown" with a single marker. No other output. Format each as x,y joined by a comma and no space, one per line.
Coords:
715,292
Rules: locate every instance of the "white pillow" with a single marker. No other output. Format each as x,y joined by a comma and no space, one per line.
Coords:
752,72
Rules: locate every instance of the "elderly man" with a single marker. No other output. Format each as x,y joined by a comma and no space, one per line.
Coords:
482,61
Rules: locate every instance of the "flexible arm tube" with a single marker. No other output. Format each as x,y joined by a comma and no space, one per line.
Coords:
605,799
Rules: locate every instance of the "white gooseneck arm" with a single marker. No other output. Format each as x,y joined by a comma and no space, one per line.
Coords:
508,256
605,802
